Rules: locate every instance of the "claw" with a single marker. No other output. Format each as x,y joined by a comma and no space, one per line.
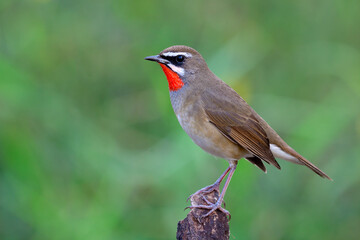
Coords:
211,207
213,187
207,189
207,201
214,206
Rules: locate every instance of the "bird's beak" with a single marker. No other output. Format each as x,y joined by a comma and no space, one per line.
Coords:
157,58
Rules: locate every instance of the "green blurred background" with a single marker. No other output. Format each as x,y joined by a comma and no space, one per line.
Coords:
90,147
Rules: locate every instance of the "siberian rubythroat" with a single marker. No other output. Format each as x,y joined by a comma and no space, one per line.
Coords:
219,120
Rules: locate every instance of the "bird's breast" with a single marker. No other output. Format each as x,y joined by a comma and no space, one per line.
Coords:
195,123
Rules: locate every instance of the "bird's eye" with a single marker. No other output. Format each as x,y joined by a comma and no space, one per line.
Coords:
180,58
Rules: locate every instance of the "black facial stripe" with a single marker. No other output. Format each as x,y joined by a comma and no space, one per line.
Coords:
172,59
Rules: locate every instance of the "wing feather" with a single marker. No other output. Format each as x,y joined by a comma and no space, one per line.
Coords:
245,131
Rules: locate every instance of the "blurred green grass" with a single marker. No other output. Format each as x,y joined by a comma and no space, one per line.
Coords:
90,147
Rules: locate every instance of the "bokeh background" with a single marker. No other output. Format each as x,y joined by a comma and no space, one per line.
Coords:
90,147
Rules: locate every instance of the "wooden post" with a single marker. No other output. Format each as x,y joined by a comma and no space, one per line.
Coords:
193,227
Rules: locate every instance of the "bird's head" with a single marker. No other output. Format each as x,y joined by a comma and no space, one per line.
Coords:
180,64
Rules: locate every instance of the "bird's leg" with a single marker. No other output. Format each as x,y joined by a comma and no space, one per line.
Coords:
210,188
214,206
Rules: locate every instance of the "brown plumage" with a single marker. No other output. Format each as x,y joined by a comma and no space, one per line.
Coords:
219,120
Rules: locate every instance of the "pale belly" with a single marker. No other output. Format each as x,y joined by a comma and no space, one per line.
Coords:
208,137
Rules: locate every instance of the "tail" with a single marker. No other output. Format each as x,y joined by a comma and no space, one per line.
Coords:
289,154
280,149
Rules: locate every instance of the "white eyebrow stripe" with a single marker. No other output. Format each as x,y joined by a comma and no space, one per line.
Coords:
174,54
178,70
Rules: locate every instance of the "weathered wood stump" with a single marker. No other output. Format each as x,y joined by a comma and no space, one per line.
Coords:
193,227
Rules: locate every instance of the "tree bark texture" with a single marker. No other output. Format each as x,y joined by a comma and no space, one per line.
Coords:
193,227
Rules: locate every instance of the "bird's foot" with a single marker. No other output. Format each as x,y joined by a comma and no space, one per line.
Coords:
206,190
211,207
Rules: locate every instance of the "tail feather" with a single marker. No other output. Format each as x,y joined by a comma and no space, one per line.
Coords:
280,149
311,166
303,161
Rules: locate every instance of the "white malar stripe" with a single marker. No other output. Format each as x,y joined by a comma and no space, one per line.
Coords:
178,70
278,153
174,54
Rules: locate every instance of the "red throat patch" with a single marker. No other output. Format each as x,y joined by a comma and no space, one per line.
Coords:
173,78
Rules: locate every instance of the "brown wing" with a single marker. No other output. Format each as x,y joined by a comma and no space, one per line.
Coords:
244,130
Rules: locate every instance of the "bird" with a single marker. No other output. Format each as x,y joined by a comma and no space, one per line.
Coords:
219,120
